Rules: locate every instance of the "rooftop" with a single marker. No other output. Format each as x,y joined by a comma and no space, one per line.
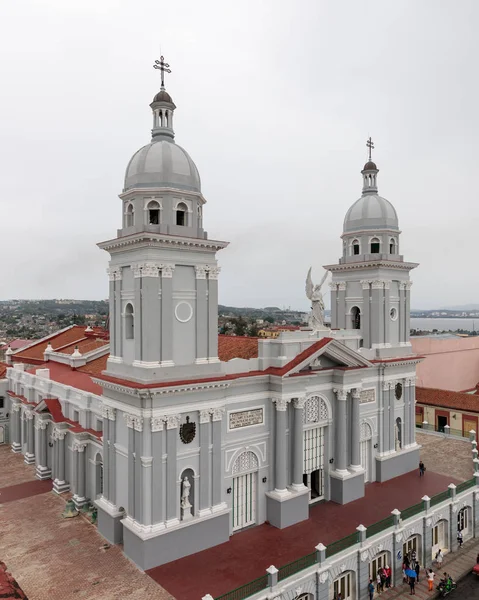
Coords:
447,399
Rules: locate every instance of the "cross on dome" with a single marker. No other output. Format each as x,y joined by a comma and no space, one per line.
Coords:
370,145
164,67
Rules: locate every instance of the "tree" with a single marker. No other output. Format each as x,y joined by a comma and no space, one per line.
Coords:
240,326
253,329
269,319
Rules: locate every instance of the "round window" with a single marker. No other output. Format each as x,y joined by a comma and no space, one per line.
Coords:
398,391
393,313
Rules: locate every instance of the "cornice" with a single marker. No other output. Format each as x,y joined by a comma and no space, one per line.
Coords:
163,391
159,192
159,240
400,266
356,232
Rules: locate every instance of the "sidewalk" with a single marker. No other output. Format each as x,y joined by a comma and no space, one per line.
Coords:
457,564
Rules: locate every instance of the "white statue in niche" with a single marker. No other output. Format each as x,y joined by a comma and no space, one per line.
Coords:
185,499
313,293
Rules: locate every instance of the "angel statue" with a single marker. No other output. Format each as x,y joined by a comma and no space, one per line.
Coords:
313,293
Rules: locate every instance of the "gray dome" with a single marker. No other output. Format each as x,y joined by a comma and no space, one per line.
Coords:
163,96
162,164
371,212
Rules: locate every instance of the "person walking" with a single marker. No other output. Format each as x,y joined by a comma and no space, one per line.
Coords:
430,579
460,539
422,468
412,583
387,570
378,582
371,589
417,568
439,558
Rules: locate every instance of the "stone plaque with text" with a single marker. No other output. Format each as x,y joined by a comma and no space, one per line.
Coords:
246,418
367,396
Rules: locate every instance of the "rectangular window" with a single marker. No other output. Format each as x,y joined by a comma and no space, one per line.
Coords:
2,401
154,216
374,248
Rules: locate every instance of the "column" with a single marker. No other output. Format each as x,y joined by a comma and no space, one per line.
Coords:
59,484
30,454
147,489
411,383
201,315
113,331
334,305
341,428
111,473
42,470
406,425
384,439
118,318
205,473
407,309
402,312
131,465
80,458
213,275
355,430
138,313
16,428
150,336
366,315
106,453
297,441
138,488
341,314
377,311
157,428
167,316
172,500
392,420
281,445
216,470
387,310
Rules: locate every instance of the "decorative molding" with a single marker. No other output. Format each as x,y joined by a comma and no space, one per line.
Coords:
334,286
129,420
28,415
16,407
150,270
356,394
341,286
41,424
324,576
114,273
377,284
172,421
167,271
299,402
157,423
387,385
146,461
59,434
136,271
341,394
155,240
368,395
79,446
201,271
217,413
316,410
205,416
214,272
138,423
365,283
281,403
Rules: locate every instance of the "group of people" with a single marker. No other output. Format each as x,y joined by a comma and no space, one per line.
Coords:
383,578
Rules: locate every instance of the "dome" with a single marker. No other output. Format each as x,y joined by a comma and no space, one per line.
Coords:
371,212
162,163
370,166
163,96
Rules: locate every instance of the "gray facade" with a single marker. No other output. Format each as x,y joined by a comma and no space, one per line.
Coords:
192,449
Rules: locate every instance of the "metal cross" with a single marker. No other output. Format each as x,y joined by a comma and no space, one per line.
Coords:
164,68
370,145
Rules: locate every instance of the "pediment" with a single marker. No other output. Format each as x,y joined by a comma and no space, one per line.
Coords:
330,356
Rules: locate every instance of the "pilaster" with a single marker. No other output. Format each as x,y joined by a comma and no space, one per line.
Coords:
355,430
106,453
157,435
217,470
16,427
201,314
80,458
60,485
377,313
138,311
213,275
30,454
340,458
334,305
167,315
366,314
205,469
297,441
341,294
111,475
43,471
172,501
281,447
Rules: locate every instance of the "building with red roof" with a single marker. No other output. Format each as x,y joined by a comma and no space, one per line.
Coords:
182,437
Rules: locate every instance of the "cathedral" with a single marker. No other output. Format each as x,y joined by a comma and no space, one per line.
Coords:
181,444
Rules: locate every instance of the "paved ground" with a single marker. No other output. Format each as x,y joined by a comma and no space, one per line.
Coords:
446,455
247,554
56,558
457,565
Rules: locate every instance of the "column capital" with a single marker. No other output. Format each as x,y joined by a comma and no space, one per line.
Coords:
167,271
114,273
341,394
157,423
387,284
281,403
387,385
150,270
41,424
79,446
201,271
377,284
334,286
299,402
408,285
59,434
217,413
341,286
356,393
146,461
133,422
16,406
136,271
111,413
214,272
172,421
28,414
365,283
205,416
410,381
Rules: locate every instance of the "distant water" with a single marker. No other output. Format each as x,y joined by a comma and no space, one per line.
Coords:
445,324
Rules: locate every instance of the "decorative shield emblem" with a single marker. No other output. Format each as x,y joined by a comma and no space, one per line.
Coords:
187,431
398,391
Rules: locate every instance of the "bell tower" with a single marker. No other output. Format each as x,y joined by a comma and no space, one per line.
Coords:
370,288
163,269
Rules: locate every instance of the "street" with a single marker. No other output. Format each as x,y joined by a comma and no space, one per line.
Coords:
468,589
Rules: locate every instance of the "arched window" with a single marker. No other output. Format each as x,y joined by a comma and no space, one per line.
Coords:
129,216
375,245
129,322
181,214
355,248
392,246
153,213
398,431
355,318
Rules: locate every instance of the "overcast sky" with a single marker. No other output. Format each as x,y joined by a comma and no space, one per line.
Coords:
275,100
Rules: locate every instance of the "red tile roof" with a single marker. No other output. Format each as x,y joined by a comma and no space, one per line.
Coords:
9,588
68,376
84,346
230,346
17,344
95,367
447,399
55,409
62,339
3,370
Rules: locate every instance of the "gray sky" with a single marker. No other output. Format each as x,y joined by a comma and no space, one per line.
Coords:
275,102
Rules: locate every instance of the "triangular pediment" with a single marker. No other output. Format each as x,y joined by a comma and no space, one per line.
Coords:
330,355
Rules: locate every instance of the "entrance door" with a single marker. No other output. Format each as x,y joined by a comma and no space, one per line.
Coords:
438,539
244,501
463,522
441,422
344,586
313,462
2,434
410,545
378,562
468,424
366,459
